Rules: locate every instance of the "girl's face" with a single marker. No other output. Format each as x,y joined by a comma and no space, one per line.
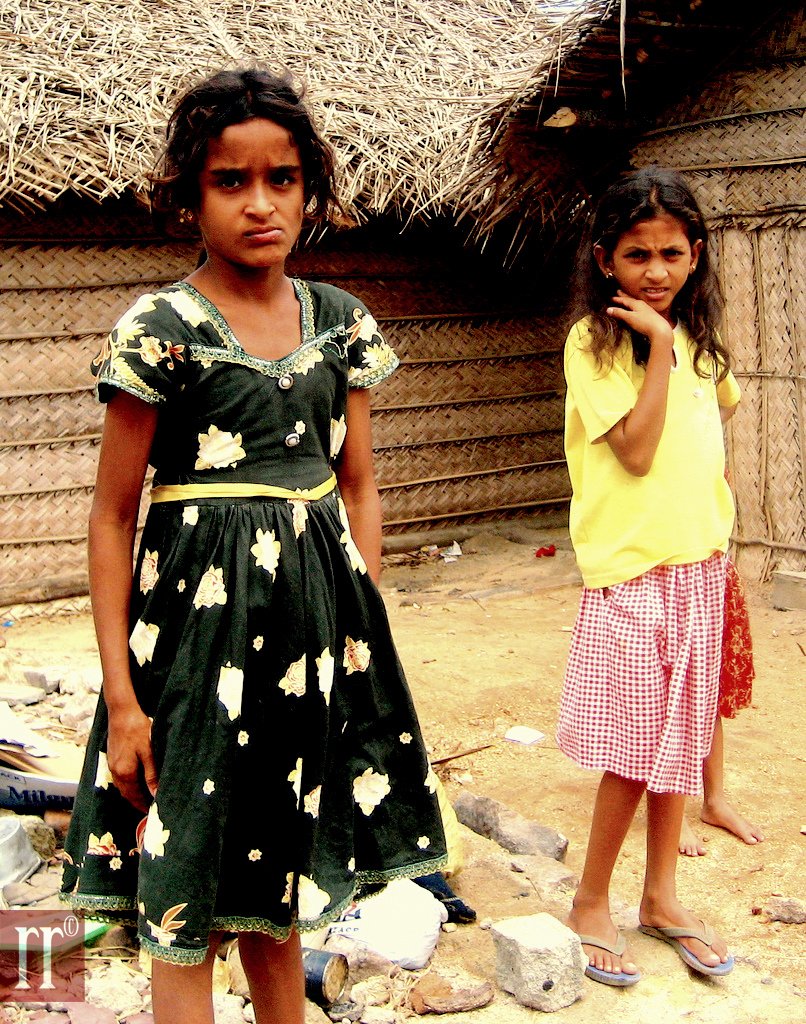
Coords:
652,261
251,195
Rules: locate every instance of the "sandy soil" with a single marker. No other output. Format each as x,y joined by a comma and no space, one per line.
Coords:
484,640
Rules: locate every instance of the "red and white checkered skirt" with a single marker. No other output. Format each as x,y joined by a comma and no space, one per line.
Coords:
642,681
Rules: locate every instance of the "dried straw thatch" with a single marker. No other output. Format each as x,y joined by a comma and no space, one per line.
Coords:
85,85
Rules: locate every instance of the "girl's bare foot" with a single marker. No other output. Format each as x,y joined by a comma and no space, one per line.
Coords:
690,845
674,915
720,813
597,922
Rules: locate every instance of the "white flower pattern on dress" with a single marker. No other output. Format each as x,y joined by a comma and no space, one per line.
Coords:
299,515
357,655
257,643
143,641
255,855
180,586
208,787
103,776
311,900
311,803
266,551
148,571
299,427
219,449
230,689
187,307
104,846
351,865
325,667
190,515
338,432
293,682
164,931
243,738
431,780
295,778
116,864
356,560
308,361
423,842
211,589
405,737
369,789
155,836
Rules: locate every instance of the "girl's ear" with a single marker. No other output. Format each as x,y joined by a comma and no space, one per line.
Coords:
696,249
603,260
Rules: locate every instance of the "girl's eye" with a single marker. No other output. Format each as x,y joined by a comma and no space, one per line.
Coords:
230,179
282,179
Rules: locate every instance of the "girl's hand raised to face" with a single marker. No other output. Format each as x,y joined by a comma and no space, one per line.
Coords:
641,317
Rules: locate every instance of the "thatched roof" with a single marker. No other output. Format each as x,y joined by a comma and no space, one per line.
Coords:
409,91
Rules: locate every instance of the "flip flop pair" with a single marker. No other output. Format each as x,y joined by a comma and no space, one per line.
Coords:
617,980
673,935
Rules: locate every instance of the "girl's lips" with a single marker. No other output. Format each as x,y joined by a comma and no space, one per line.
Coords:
264,235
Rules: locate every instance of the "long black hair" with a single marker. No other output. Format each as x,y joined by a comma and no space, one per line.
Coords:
643,195
232,97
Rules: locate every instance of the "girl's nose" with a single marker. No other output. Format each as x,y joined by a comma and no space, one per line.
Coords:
261,201
656,270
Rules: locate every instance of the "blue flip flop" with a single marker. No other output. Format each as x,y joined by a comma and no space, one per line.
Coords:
672,936
620,980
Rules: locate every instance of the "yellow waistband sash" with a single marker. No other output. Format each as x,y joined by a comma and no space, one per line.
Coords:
182,492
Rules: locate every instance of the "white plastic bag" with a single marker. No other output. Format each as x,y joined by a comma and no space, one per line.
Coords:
401,923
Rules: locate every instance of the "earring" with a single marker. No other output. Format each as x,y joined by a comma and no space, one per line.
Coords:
692,268
186,216
609,275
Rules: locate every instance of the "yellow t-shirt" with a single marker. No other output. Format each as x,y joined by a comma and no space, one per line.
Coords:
682,510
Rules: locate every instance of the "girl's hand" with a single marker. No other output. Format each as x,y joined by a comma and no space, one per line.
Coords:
641,317
130,758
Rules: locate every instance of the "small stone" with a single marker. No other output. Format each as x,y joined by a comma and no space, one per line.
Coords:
314,1014
378,1015
48,1017
486,924
506,827
85,1013
449,990
540,961
228,1008
363,962
139,1018
345,1011
46,679
374,991
112,988
20,694
449,926
786,909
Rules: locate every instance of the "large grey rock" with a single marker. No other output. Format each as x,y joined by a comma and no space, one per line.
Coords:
539,960
506,827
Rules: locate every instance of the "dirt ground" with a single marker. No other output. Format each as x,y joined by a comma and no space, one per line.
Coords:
484,640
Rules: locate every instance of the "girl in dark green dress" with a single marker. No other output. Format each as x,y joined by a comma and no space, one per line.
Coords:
255,761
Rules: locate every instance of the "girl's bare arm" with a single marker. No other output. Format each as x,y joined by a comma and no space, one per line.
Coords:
635,438
129,428
356,477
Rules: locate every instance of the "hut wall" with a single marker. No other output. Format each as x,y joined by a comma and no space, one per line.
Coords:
740,143
468,429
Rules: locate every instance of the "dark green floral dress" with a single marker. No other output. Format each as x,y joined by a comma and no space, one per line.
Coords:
292,773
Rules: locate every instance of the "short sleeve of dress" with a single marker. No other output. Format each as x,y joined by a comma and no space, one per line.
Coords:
728,391
144,353
602,395
370,357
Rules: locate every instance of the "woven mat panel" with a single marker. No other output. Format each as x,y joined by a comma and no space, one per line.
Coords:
48,364
46,609
59,266
467,420
757,192
43,466
466,494
55,415
447,458
737,270
482,336
25,563
433,382
764,137
744,90
557,511
38,515
786,484
70,309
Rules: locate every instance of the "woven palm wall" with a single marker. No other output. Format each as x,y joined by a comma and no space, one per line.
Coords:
468,429
742,145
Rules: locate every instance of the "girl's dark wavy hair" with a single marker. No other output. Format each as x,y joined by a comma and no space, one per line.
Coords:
232,97
640,196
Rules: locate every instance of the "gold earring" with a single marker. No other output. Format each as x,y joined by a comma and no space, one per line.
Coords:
186,216
609,275
692,268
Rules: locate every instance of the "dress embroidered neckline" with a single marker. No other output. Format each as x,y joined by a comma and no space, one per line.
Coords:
306,319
